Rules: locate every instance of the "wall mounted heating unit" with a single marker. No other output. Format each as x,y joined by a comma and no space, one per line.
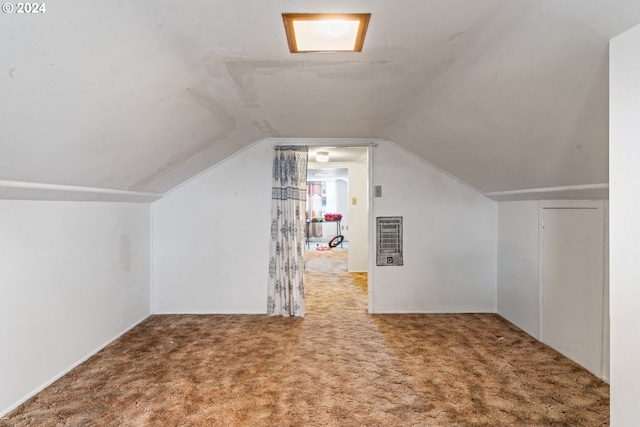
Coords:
389,240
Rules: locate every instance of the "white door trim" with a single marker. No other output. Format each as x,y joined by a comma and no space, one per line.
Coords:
371,234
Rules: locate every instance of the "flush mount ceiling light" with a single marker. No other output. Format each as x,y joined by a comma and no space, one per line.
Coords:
322,156
325,32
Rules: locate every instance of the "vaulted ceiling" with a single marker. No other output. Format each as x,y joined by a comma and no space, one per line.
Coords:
141,96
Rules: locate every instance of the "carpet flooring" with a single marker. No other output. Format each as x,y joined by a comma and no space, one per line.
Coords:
339,366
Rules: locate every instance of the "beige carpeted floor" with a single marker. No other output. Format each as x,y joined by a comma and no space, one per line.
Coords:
338,366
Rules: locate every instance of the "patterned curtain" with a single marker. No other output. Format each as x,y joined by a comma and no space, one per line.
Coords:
288,203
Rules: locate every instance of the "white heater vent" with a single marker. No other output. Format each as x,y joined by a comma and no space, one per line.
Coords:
389,240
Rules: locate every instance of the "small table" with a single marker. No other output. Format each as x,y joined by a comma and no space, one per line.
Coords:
338,228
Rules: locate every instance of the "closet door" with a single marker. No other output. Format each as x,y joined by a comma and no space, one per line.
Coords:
572,280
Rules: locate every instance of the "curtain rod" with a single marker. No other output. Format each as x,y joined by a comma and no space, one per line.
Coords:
319,142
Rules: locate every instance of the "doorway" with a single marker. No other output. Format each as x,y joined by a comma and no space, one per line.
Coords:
339,184
355,226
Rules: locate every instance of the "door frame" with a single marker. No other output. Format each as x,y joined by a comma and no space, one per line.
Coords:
371,229
369,144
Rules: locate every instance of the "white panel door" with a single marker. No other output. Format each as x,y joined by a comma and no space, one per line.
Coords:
572,283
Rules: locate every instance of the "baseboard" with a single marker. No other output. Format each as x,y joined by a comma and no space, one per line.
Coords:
66,371
602,377
474,311
207,313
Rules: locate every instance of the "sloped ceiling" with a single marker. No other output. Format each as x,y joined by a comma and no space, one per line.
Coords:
142,95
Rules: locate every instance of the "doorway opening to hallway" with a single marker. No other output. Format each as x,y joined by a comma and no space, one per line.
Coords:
337,208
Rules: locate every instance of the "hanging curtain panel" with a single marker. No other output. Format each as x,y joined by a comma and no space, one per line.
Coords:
286,261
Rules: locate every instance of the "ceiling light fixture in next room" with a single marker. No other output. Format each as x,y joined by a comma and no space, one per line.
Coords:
322,156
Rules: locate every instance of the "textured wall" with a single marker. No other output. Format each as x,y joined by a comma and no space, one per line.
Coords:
449,239
624,227
211,239
73,275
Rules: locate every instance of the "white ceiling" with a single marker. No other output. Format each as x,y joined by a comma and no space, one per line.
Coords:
339,154
503,94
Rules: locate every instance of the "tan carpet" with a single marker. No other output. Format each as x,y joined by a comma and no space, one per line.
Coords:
337,367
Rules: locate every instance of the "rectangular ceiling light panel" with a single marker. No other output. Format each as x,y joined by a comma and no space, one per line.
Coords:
322,32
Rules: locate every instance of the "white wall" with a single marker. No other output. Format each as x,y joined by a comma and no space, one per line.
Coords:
624,199
342,205
518,295
359,216
450,246
211,239
74,276
518,268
